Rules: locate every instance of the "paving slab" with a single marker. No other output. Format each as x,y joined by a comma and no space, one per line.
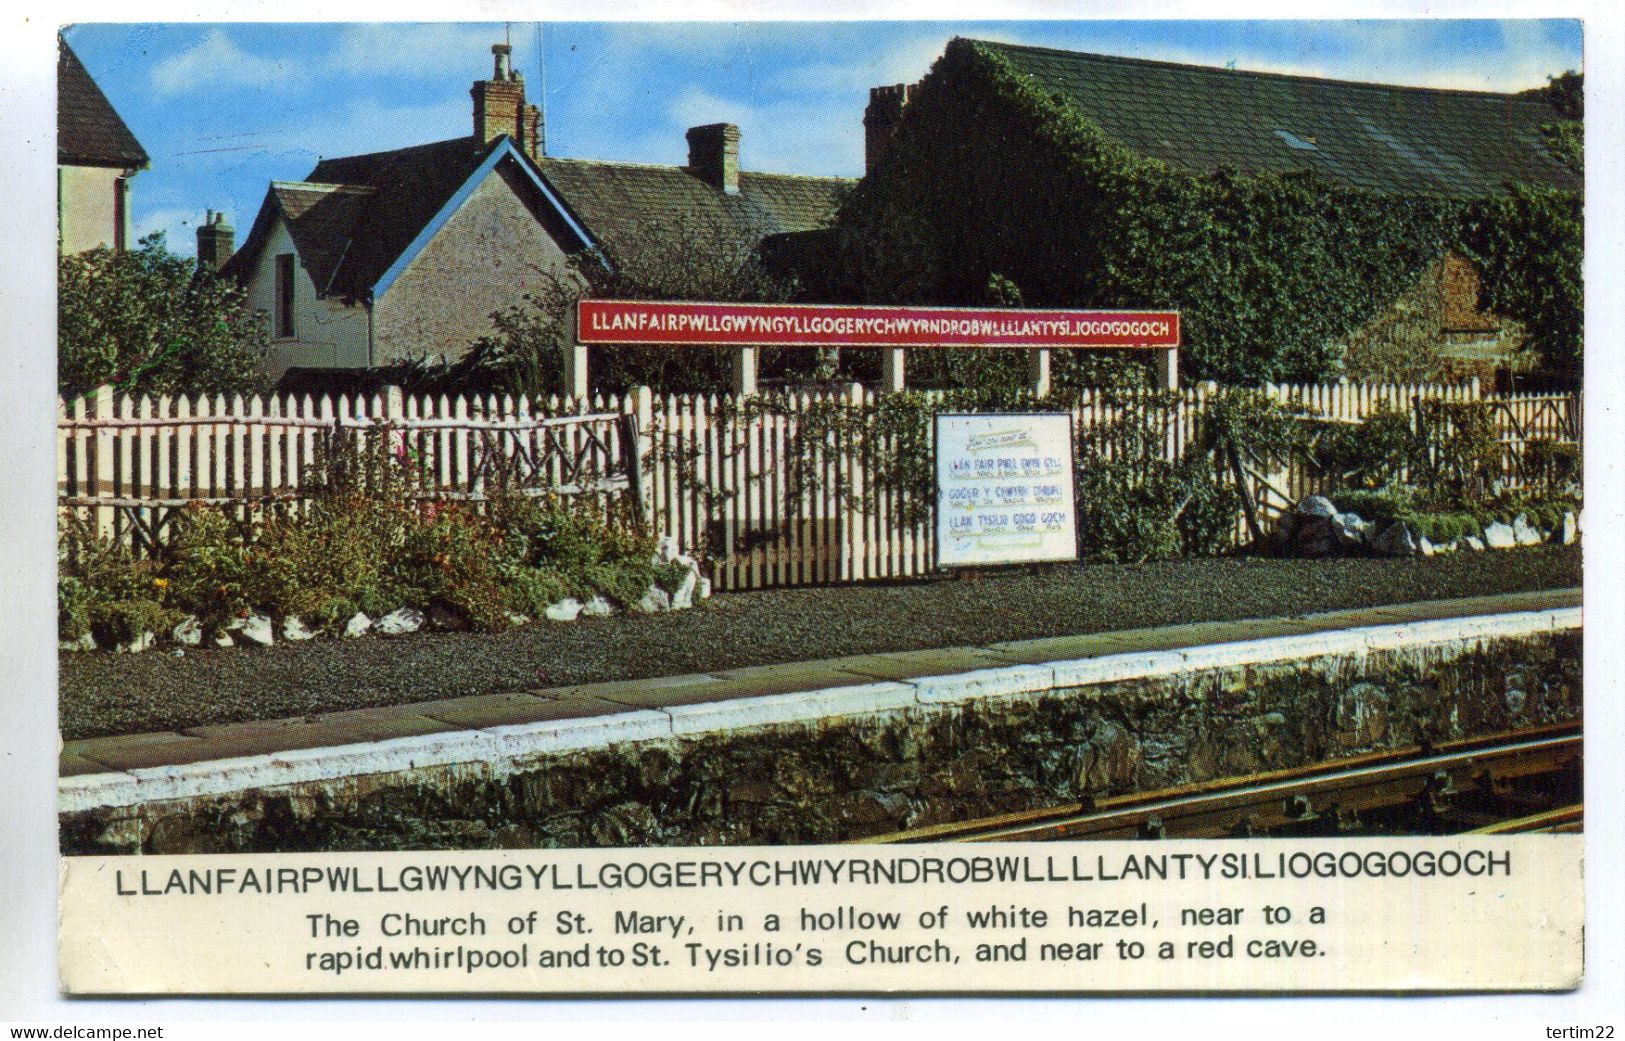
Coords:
128,751
902,665
261,737
701,688
367,724
1162,638
495,710
70,765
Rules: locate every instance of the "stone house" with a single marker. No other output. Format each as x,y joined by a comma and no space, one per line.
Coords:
378,258
96,156
1384,140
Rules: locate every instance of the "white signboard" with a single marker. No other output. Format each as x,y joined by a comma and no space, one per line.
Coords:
1005,489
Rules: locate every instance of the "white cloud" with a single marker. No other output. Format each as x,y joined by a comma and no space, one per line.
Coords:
218,61
815,136
370,49
694,107
905,62
178,225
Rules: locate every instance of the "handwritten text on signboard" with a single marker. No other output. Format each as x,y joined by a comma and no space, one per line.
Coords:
1004,486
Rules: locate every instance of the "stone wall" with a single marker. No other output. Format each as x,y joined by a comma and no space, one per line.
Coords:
851,777
492,251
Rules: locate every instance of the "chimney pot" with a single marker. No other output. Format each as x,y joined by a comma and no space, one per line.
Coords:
499,106
713,155
215,241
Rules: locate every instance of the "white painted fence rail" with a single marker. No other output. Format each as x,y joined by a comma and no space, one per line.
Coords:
733,484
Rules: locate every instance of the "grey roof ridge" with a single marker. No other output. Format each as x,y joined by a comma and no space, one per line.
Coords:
359,189
687,169
1255,73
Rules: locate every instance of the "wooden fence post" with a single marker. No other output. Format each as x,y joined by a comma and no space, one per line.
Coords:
744,372
893,369
102,401
1038,371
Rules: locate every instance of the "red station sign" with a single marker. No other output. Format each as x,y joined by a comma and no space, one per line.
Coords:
830,325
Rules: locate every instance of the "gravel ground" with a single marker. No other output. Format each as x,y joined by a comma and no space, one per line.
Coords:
110,694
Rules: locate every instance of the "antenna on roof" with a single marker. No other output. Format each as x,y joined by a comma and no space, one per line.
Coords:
541,76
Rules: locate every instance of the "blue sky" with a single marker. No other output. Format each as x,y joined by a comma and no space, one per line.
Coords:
224,109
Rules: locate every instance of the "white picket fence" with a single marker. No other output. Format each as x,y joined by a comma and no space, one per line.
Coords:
735,485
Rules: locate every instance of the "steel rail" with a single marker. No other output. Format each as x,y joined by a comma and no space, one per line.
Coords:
1259,802
1563,818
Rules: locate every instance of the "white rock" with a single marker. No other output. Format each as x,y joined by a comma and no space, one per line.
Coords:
1526,534
597,607
683,599
257,629
1315,506
666,549
1428,548
566,610
704,592
358,625
223,639
1473,542
86,642
687,561
400,621
139,644
515,618
1571,528
654,601
188,632
1500,536
295,629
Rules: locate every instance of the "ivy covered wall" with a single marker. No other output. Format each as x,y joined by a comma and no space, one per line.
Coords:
988,176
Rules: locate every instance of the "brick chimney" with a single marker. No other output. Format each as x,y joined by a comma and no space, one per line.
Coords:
499,106
713,155
215,242
880,120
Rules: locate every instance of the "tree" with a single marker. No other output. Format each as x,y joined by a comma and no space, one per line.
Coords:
146,322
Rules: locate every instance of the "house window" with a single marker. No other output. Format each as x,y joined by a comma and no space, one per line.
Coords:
284,295
121,213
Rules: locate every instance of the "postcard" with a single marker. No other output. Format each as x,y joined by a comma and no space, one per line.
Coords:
1048,507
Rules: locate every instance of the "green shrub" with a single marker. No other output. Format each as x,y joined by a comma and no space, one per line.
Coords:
1552,466
456,557
105,590
212,572
73,600
1371,454
531,590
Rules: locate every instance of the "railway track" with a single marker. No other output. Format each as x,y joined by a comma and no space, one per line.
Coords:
1487,785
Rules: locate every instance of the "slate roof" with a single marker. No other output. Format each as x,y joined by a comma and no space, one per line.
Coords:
618,201
409,186
1389,139
321,219
89,131
353,217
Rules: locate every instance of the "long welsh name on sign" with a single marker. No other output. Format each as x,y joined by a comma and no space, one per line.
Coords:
830,325
1005,489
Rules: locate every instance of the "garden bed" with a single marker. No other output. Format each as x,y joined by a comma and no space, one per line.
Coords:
110,694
